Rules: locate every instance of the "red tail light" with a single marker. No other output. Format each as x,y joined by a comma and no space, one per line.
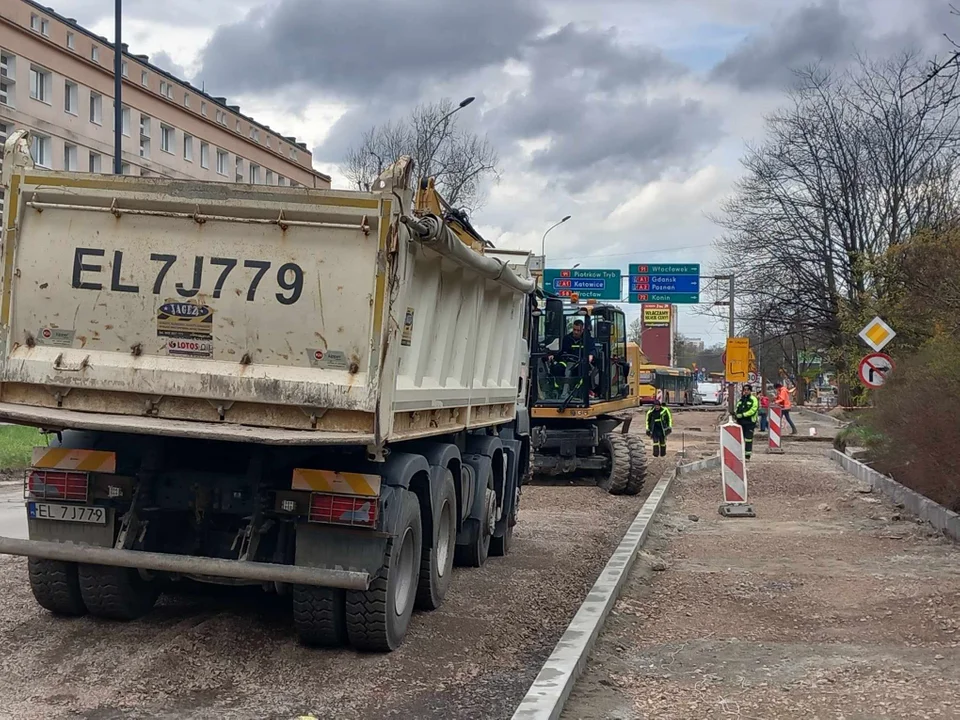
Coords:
343,509
57,485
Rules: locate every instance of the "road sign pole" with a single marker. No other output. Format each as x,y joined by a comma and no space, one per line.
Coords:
731,332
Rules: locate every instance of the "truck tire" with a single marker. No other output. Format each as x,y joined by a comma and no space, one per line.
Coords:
436,563
638,464
614,447
116,593
320,615
56,587
500,546
476,553
378,618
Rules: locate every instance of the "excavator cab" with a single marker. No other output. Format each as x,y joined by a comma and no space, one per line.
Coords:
578,425
581,357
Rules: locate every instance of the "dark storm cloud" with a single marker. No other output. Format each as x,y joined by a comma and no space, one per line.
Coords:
588,95
809,34
351,50
831,33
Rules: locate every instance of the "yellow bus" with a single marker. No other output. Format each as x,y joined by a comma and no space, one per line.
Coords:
674,386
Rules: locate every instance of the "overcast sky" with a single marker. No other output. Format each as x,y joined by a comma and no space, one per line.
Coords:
629,115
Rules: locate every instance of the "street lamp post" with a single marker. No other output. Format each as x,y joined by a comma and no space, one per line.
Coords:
543,240
117,92
426,143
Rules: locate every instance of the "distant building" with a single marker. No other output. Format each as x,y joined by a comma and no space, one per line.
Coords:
695,344
56,79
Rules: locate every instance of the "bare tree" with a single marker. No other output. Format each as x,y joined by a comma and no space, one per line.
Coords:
854,165
460,160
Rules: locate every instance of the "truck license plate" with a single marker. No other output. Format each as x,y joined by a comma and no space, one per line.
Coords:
68,513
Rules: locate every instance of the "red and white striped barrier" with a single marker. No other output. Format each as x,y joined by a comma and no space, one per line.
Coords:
775,444
733,473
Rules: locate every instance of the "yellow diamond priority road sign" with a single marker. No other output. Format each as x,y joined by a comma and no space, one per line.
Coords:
877,334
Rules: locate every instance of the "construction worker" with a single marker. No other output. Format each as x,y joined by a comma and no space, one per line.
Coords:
784,403
746,413
659,425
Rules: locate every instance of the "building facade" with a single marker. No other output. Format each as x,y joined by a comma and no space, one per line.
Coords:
57,80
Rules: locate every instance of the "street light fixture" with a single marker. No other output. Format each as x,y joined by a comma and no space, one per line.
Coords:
426,143
543,241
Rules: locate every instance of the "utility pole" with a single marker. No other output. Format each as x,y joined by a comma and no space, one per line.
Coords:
731,331
117,92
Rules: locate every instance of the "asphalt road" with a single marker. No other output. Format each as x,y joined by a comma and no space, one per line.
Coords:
13,516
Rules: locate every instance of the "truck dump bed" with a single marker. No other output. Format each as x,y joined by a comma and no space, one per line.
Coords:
240,312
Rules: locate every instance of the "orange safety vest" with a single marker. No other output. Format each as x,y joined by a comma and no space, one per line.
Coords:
783,398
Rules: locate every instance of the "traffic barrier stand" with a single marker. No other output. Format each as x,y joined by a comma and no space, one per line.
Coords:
733,473
775,444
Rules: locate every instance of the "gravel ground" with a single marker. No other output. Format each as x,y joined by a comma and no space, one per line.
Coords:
830,604
230,653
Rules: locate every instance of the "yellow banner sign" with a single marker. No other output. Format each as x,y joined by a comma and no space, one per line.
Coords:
656,315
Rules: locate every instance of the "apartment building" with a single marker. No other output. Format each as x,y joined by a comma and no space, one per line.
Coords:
57,80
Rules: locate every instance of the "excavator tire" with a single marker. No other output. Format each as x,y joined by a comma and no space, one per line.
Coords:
616,448
638,464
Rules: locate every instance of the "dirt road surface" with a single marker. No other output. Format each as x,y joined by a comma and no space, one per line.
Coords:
232,654
830,604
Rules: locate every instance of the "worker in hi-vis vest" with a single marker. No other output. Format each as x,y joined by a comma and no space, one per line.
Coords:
746,413
659,425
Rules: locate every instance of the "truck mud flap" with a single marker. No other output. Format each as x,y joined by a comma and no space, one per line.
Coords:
186,564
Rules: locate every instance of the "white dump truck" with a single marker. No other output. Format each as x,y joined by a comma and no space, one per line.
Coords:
321,392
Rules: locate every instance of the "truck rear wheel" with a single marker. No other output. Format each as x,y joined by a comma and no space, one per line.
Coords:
116,593
476,553
320,615
436,564
615,448
638,464
378,618
56,587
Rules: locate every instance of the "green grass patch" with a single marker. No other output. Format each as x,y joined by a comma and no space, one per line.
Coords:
16,445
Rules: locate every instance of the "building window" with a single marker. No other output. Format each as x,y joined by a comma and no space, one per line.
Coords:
95,54
166,138
166,89
71,41
69,157
204,156
41,84
125,120
221,162
144,78
203,109
35,23
8,78
144,147
40,25
123,68
293,153
238,126
186,100
281,181
42,150
255,134
96,108
239,169
269,177
71,97
269,142
187,148
254,174
124,168
44,27
96,162
145,126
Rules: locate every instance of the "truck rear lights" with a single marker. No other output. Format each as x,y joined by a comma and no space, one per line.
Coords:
57,485
343,510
